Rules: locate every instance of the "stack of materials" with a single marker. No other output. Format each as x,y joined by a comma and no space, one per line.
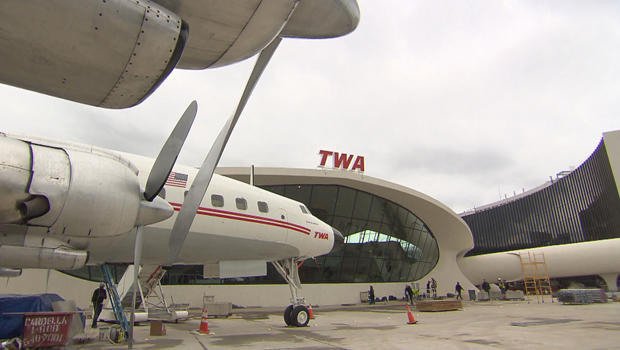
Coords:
438,305
581,296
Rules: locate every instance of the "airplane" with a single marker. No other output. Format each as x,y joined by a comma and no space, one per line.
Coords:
75,205
115,53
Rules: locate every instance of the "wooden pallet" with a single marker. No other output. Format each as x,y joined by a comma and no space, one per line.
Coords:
438,305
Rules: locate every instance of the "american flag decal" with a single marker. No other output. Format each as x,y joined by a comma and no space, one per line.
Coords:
177,180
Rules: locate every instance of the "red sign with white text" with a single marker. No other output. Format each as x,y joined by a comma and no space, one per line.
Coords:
46,329
343,160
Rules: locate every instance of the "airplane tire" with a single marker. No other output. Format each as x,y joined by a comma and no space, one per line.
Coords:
288,319
300,316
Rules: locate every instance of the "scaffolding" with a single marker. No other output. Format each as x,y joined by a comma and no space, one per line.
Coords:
535,276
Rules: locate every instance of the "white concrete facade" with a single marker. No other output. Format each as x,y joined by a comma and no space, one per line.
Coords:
612,144
578,259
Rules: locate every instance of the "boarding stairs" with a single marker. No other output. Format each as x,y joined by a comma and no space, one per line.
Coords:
535,276
151,299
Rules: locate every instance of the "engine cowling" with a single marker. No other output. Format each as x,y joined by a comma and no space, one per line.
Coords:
110,53
74,191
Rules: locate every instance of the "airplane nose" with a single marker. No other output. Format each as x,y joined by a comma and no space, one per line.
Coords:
338,241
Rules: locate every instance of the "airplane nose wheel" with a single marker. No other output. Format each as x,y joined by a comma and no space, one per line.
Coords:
297,316
300,316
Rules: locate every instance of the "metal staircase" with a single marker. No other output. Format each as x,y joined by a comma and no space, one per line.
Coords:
535,276
117,307
151,299
149,277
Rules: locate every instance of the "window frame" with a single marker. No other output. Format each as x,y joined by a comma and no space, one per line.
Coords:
217,200
241,203
263,207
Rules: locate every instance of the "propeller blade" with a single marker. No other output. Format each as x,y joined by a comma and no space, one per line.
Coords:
169,153
186,215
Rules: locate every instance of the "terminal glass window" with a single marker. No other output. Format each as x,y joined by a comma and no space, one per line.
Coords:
384,242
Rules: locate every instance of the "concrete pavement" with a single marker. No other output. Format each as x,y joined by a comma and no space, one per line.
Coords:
480,325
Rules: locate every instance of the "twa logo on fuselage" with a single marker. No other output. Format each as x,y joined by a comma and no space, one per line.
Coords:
321,235
343,160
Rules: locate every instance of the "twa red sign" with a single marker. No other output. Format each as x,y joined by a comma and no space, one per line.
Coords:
343,160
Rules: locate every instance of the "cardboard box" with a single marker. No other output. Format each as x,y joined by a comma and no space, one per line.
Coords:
158,328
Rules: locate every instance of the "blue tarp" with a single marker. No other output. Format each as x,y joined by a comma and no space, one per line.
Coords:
13,325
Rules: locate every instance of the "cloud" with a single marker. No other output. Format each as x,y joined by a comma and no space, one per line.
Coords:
465,101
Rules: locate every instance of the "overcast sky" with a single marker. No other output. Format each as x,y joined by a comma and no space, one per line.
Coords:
462,100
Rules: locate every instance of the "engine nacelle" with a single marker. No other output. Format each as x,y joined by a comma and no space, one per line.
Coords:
110,53
72,190
40,258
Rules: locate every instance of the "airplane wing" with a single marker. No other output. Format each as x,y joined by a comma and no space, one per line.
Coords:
115,53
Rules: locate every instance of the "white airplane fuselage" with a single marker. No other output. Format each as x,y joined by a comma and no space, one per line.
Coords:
226,232
66,205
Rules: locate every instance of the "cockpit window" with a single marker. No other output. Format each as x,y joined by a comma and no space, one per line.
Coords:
303,209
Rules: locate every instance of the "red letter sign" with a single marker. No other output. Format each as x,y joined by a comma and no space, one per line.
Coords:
359,164
342,159
325,154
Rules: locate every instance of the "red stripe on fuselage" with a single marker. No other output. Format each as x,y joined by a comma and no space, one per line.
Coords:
246,217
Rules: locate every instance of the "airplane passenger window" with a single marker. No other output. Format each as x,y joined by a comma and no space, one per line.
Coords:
263,207
241,203
217,200
303,209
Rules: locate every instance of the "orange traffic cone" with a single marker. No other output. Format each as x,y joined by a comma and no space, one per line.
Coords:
204,324
410,316
310,312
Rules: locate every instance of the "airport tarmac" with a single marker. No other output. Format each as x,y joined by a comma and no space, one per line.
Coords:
479,325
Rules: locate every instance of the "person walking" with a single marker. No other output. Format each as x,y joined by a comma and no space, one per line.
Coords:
458,289
434,287
99,295
428,289
486,287
409,294
502,287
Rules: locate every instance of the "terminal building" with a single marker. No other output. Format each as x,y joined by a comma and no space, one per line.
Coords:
574,219
395,235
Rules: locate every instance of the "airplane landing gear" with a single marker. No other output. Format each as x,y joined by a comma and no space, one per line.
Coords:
297,316
297,313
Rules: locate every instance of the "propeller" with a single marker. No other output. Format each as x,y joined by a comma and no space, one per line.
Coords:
169,153
187,213
157,178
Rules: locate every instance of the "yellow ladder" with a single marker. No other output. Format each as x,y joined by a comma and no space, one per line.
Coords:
535,276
